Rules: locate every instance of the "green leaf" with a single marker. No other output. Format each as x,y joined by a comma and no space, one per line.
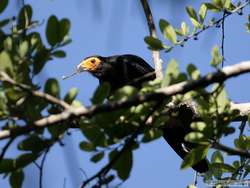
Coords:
24,18
243,142
8,44
25,159
172,73
168,31
217,157
34,143
53,30
5,62
202,13
193,72
154,43
124,164
71,95
191,186
23,49
59,54
195,156
3,5
101,93
52,87
87,146
212,7
193,16
16,179
196,137
248,27
94,134
4,22
223,167
226,4
216,57
184,28
6,165
64,28
40,58
9,165
151,134
198,126
97,157
218,3
125,93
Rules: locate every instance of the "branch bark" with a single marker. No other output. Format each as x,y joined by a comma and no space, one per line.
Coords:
231,151
51,99
180,88
152,31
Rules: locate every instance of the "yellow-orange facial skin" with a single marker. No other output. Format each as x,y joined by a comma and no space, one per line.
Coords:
90,64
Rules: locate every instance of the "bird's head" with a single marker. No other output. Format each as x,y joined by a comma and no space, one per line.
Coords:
90,64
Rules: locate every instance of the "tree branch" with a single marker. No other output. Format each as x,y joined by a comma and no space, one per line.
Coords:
5,148
231,151
179,88
51,99
152,31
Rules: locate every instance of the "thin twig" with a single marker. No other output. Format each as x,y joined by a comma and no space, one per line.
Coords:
5,78
231,151
163,93
223,38
5,148
242,127
41,166
152,31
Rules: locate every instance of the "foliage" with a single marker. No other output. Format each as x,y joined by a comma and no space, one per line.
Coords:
23,56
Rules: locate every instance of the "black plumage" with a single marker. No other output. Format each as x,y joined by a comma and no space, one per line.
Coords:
123,70
132,70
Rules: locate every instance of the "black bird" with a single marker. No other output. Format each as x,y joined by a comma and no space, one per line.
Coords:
121,70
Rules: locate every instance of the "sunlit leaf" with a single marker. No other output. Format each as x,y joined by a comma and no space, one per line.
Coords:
101,93
193,16
217,157
171,73
168,31
195,156
216,57
71,95
202,13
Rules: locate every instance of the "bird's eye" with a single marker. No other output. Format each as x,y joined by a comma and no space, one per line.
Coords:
92,61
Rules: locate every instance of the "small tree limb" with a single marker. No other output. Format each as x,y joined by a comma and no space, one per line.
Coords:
152,31
231,151
163,93
51,99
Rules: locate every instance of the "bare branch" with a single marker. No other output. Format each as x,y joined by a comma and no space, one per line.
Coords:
5,148
231,151
152,31
5,78
223,37
163,93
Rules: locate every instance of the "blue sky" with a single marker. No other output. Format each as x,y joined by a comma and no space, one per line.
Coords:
109,27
